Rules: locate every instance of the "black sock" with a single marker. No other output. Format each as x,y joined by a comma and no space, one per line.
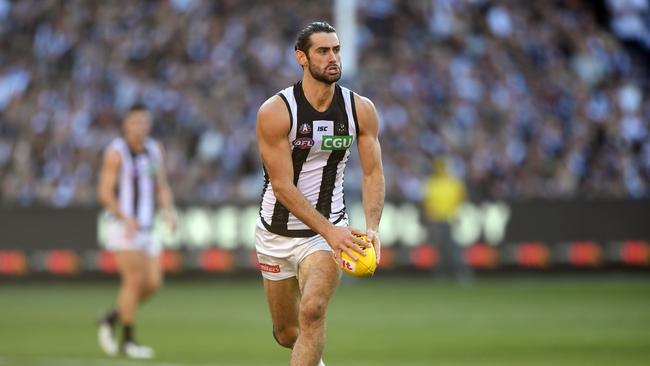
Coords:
127,333
111,317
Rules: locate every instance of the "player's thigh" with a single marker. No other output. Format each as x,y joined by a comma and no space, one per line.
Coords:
318,277
131,265
283,297
152,269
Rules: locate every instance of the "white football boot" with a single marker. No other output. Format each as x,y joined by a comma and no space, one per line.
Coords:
106,339
137,351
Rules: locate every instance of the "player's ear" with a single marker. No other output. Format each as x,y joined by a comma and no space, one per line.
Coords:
301,58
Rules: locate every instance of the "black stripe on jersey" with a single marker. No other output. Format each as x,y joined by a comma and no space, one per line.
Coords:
297,233
136,183
328,179
266,186
286,102
354,114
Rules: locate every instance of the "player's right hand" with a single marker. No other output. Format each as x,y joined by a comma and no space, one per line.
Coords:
343,239
373,236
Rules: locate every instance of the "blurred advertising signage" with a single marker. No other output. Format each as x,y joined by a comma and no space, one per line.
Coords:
489,222
484,222
229,226
232,226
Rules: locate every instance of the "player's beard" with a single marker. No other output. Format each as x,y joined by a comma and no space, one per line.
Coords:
323,76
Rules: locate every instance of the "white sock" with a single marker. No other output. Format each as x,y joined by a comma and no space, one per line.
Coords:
321,363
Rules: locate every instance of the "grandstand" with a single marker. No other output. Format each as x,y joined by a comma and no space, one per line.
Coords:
537,100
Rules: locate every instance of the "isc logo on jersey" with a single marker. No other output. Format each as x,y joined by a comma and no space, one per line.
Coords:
336,142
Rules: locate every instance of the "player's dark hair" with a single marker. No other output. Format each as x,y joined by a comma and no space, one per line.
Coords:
303,41
138,107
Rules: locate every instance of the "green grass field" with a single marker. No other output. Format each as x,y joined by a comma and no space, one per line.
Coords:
371,323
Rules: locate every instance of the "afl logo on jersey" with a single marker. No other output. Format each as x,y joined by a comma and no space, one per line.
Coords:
305,128
303,143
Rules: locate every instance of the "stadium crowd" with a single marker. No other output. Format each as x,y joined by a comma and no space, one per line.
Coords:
525,100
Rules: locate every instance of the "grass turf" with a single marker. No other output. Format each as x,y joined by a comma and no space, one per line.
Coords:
372,322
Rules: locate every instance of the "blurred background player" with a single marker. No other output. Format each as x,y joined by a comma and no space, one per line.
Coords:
304,135
132,178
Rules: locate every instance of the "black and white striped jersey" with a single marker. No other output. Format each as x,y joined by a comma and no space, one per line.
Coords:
320,147
136,187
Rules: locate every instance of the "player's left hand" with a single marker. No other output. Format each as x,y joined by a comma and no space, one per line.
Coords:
373,236
169,216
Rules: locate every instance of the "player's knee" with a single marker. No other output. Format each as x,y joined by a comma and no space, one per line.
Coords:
312,310
154,285
286,336
150,287
133,281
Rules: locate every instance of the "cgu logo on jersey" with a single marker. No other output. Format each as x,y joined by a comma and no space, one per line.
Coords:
336,142
303,143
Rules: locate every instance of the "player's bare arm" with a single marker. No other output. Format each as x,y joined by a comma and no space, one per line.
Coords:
272,130
107,187
373,187
165,194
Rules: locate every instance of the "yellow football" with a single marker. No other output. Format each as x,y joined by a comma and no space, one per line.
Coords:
363,267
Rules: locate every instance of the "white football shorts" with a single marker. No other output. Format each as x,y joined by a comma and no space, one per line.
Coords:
279,256
143,240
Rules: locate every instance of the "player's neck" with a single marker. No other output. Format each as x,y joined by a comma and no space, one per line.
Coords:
134,144
317,93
